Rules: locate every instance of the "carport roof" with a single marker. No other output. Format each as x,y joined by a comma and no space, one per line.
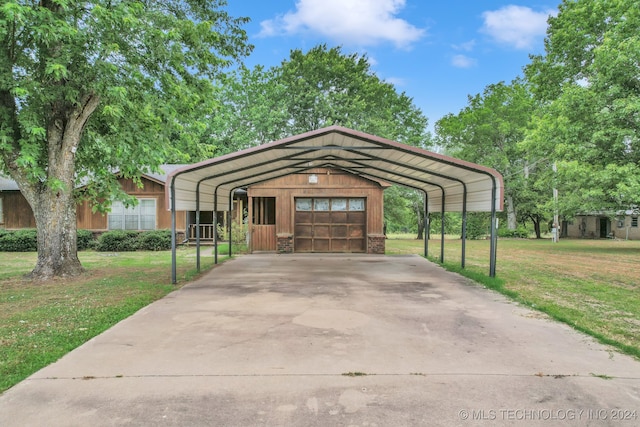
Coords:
440,177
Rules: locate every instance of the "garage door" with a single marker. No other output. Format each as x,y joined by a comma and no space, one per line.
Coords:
330,225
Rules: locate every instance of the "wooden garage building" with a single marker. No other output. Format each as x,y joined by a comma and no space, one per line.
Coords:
318,210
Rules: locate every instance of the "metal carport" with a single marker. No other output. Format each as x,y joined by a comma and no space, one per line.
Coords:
449,184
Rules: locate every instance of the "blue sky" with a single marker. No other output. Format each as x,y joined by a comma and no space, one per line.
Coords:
438,53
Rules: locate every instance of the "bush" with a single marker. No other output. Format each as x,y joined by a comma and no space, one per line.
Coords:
519,233
118,241
19,240
158,240
85,240
478,225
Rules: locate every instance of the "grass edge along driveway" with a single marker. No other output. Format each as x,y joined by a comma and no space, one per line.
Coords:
588,284
591,285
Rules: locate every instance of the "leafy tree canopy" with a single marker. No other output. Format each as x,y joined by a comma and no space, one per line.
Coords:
89,87
312,90
489,131
589,82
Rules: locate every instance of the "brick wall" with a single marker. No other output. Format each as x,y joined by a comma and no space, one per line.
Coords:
285,244
376,243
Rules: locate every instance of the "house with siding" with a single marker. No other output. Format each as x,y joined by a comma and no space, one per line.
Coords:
150,212
318,210
622,224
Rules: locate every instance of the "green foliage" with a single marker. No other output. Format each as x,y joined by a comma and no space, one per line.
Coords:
85,240
403,209
19,240
26,240
478,225
521,232
238,232
308,91
452,223
87,88
129,241
490,131
157,240
588,83
118,241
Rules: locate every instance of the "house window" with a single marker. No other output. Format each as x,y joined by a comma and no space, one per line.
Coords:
634,221
139,217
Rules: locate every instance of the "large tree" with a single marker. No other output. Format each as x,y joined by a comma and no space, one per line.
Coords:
311,90
489,131
91,87
589,83
314,89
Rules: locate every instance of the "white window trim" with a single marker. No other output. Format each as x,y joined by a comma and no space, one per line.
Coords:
127,212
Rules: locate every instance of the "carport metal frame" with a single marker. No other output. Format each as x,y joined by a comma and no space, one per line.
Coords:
254,165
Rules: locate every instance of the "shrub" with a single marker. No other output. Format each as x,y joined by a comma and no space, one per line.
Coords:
19,240
118,241
85,240
478,225
520,233
158,240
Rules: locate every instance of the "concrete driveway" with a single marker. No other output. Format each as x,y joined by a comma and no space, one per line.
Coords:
323,340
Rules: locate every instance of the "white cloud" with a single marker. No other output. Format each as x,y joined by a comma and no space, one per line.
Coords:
360,22
396,81
518,26
462,61
466,46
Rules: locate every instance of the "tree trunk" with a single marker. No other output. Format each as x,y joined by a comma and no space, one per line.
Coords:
52,201
536,227
55,214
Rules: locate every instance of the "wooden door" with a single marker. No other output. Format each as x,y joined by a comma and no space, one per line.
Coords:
263,227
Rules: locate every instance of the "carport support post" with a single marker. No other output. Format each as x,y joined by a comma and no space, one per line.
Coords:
230,220
464,228
198,227
442,230
215,226
494,234
174,279
426,225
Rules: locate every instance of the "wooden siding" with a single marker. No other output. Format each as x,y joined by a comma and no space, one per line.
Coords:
18,213
263,238
331,183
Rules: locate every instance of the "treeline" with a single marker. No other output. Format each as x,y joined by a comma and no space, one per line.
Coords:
571,122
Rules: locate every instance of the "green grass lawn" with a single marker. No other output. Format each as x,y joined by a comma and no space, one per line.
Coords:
593,285
41,322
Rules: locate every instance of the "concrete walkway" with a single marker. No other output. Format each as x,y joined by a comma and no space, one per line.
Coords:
329,340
